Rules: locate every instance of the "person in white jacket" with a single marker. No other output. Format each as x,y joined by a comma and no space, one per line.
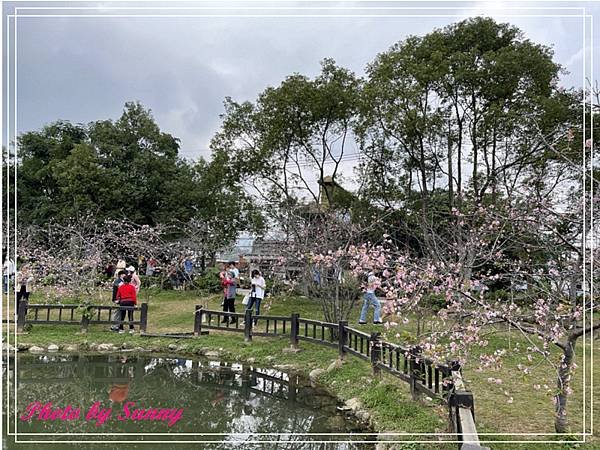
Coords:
257,294
8,270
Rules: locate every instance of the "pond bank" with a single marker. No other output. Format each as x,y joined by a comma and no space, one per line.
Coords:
384,405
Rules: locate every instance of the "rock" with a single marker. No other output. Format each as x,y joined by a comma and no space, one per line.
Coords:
292,350
126,344
334,365
353,404
72,348
336,422
36,349
251,360
212,355
93,346
139,349
362,415
22,347
316,373
53,348
173,347
106,348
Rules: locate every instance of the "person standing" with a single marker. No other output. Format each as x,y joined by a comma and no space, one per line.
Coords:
235,271
118,281
9,273
141,263
188,268
371,300
25,283
135,280
121,264
257,294
225,282
127,296
230,292
150,267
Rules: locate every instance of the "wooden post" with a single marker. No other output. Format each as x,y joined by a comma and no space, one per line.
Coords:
462,412
342,337
292,386
198,320
415,371
21,315
85,322
294,330
144,317
248,326
375,342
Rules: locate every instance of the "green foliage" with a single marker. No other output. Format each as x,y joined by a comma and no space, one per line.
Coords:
209,281
126,168
434,302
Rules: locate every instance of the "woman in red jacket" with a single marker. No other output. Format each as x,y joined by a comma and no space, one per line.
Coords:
126,296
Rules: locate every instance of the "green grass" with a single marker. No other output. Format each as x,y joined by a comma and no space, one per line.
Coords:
387,400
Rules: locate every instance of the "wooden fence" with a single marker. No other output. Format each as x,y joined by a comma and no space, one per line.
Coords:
440,381
87,315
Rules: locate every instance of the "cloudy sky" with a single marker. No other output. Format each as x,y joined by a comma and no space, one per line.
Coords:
85,68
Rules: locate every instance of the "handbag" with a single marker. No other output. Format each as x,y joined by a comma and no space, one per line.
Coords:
246,299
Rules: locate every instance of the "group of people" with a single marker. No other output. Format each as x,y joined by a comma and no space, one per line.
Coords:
230,280
126,287
181,275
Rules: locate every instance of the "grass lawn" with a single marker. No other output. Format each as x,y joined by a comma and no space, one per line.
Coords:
388,401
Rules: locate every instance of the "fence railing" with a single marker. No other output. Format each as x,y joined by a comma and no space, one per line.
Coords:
407,363
87,315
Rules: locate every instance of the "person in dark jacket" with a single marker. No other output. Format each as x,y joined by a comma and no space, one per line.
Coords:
118,281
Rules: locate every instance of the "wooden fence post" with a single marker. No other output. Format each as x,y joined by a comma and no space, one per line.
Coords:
248,326
294,330
21,315
342,337
198,320
462,412
85,321
415,371
375,342
144,317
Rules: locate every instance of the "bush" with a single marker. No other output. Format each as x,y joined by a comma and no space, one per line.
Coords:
209,281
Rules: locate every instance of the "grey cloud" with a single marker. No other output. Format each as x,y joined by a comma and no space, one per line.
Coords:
182,68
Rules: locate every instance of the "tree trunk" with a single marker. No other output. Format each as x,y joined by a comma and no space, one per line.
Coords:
450,181
561,423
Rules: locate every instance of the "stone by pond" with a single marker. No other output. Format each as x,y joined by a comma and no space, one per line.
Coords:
143,393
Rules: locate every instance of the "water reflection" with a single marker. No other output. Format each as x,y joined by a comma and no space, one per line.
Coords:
237,401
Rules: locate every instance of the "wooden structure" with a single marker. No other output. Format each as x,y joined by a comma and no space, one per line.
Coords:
424,376
78,315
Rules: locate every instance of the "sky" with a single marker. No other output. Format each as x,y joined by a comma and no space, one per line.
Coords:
84,69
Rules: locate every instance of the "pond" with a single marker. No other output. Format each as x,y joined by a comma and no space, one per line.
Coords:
160,397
